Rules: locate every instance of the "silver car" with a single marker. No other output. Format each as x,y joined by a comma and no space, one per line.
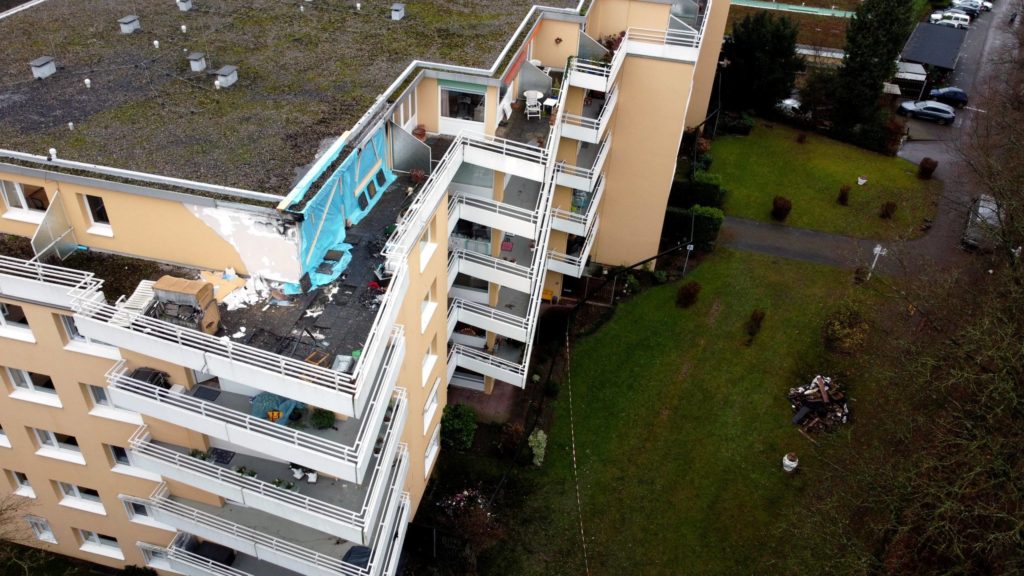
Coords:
928,110
983,223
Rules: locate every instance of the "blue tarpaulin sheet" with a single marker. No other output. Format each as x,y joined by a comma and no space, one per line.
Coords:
345,196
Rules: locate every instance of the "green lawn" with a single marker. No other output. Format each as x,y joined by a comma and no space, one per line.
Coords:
680,430
770,162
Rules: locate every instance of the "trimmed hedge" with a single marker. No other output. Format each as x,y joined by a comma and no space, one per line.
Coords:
706,220
705,189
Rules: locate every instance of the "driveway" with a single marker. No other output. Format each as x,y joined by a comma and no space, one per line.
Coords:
940,246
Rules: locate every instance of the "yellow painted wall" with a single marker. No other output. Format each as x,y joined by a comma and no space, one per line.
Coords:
646,128
142,226
613,16
427,107
69,372
491,109
547,50
707,62
417,342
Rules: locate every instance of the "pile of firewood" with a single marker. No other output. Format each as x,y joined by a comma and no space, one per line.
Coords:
820,406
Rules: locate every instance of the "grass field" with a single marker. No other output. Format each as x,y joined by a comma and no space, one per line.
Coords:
770,162
680,429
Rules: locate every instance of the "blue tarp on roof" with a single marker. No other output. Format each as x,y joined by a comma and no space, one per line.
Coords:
352,191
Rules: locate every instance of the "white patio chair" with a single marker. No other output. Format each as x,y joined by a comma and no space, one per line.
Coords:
532,109
311,477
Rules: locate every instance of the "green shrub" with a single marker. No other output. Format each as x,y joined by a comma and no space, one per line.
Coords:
926,168
458,426
844,195
704,189
322,419
538,442
632,284
781,206
704,162
511,436
660,276
706,222
754,324
687,294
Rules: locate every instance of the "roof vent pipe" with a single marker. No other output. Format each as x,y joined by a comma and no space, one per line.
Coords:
184,5
129,24
43,67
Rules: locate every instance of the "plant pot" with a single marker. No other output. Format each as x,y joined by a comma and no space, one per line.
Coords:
420,132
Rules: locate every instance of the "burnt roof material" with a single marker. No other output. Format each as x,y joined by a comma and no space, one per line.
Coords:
934,45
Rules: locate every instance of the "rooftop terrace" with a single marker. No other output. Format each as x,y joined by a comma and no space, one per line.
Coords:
303,76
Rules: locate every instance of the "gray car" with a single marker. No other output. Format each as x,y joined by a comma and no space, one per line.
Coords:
983,223
928,110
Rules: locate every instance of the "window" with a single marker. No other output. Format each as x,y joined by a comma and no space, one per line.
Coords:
427,245
103,406
136,509
466,103
4,440
427,307
100,544
97,211
431,406
24,201
433,447
139,513
78,342
119,456
14,323
99,395
81,498
33,387
21,483
59,446
155,556
41,528
429,360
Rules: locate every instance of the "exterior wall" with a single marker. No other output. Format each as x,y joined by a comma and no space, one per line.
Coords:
614,16
427,107
418,340
145,227
647,127
70,371
707,63
552,53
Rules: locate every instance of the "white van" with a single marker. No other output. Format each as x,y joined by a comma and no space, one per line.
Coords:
960,20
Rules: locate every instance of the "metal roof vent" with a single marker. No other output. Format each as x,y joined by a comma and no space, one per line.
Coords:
43,67
184,5
397,11
197,61
129,24
226,76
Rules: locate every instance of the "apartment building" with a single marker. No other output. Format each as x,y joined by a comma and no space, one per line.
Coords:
226,336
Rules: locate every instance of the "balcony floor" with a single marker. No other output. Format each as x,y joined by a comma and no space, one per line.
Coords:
519,128
347,495
345,431
521,193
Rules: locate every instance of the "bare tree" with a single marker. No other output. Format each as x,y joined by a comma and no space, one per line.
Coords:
15,556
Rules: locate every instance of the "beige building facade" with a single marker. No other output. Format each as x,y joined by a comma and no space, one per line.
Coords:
281,413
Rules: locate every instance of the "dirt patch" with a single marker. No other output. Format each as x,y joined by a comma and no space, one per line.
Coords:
713,313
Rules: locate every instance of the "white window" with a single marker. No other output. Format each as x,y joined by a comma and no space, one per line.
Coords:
100,544
429,360
81,498
4,440
14,323
427,308
427,246
24,202
139,513
431,406
21,483
99,396
119,455
465,104
155,556
433,447
78,342
33,387
41,528
59,446
97,211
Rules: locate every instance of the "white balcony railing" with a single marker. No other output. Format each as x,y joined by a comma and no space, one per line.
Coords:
503,155
43,283
352,525
583,178
493,214
681,45
501,272
573,265
579,223
589,129
345,461
487,364
487,318
343,392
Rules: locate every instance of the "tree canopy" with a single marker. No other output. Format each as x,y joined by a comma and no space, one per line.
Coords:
763,62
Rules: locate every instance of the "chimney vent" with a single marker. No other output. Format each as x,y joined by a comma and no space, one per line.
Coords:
397,11
43,67
184,5
197,61
129,24
227,75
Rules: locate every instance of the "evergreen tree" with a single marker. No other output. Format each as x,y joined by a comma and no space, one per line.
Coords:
763,62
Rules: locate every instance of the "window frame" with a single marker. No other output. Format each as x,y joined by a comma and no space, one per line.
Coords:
431,406
23,487
433,449
25,212
41,528
97,226
15,330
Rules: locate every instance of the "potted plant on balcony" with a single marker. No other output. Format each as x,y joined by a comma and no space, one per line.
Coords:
322,419
199,455
388,413
420,132
379,445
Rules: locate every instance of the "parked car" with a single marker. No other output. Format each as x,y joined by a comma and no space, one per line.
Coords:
983,223
949,95
928,110
970,7
960,20
986,6
940,15
947,23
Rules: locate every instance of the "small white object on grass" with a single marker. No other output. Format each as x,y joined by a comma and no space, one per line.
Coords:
156,44
861,180
88,83
790,462
71,125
